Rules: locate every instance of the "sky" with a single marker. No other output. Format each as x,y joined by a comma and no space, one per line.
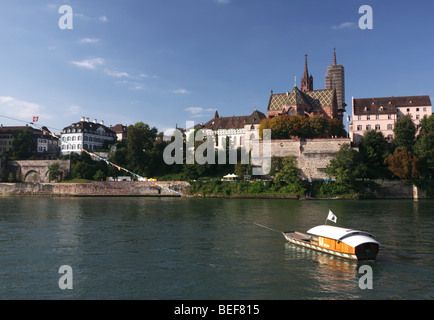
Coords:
165,62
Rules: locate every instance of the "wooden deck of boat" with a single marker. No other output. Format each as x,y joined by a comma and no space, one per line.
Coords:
299,235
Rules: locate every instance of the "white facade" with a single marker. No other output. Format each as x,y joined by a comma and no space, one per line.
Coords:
381,114
85,135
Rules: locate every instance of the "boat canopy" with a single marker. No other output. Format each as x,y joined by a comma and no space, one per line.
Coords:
350,237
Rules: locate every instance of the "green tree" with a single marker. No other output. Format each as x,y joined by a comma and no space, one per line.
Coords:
290,173
336,128
23,145
372,149
284,126
54,171
404,132
99,175
347,166
424,147
140,141
317,126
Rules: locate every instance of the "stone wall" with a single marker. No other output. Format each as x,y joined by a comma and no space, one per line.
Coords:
37,171
104,188
313,155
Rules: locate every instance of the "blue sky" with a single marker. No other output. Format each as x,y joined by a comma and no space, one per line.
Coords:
164,62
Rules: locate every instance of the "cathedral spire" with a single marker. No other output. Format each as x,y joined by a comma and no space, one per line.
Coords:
307,81
334,56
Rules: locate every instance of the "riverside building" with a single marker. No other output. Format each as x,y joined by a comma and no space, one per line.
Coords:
381,114
85,134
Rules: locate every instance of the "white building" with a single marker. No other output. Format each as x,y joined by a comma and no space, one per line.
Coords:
239,129
381,114
85,135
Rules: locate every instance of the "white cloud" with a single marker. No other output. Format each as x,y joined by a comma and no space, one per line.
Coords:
194,110
23,110
116,74
103,19
345,25
89,63
222,1
72,110
89,40
199,111
81,16
181,91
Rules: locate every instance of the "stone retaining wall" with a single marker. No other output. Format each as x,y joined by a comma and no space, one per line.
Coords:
105,188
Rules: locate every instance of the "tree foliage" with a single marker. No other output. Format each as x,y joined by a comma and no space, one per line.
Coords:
373,150
291,175
347,166
404,132
23,145
285,127
424,147
403,164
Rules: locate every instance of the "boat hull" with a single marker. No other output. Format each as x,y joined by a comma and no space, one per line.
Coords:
362,253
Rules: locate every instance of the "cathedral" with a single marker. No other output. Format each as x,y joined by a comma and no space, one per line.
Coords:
329,102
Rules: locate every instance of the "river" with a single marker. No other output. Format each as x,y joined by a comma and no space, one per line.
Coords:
207,249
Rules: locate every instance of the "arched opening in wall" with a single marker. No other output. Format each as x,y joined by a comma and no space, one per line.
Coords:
291,112
32,176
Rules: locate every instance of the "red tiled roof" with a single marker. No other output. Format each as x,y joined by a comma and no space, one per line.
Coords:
234,122
388,104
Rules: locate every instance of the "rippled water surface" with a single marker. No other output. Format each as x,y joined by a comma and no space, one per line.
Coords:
179,248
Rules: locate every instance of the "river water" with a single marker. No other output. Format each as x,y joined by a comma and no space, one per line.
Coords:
187,248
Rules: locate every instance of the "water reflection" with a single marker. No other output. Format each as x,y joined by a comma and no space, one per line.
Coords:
332,277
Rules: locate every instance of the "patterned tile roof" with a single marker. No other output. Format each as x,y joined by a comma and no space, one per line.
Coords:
315,99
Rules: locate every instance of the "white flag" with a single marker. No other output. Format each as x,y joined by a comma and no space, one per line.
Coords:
332,217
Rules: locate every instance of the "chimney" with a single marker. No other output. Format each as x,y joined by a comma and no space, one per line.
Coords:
101,122
87,119
94,121
82,119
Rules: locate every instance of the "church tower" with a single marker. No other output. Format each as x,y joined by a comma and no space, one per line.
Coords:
307,81
335,79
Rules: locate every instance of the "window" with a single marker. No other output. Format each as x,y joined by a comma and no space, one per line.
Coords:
417,117
359,128
424,109
389,116
368,117
417,109
377,117
389,127
359,118
389,137
368,127
377,127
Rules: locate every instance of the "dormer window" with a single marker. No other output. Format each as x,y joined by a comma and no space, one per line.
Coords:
381,108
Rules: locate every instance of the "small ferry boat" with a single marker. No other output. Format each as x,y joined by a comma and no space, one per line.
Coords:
342,242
